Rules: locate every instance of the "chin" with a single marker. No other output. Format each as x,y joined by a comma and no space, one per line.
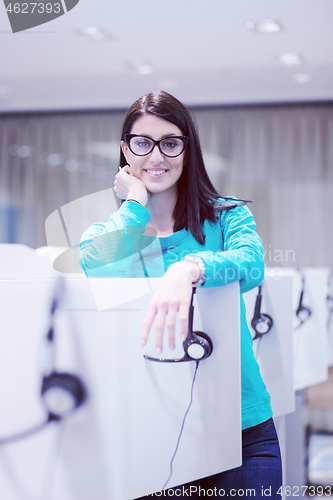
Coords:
158,189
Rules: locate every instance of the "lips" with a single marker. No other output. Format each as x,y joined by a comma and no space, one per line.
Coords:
157,172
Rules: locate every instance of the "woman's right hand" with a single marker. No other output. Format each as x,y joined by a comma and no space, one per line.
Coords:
127,186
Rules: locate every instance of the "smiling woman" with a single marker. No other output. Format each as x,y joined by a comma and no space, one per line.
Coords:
205,240
145,153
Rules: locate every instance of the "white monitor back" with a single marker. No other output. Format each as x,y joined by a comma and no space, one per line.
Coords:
121,442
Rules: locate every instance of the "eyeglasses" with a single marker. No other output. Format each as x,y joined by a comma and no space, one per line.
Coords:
171,147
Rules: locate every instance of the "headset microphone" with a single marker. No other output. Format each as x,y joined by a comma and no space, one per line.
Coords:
302,312
329,298
197,345
261,323
61,392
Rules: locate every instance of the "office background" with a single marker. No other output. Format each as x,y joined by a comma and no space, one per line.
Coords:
281,156
258,78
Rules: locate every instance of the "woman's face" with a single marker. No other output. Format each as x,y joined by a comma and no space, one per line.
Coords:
158,172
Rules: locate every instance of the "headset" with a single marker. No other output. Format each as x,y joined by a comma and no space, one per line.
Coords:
61,392
197,346
303,313
261,323
329,298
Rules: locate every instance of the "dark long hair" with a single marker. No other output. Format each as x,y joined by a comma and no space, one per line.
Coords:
197,199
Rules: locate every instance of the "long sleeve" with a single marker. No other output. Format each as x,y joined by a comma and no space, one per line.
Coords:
242,257
232,251
105,244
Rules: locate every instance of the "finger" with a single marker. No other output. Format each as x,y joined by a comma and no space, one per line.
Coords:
159,327
115,189
183,319
171,324
147,324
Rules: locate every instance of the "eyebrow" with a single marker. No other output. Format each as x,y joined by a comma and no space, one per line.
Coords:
163,137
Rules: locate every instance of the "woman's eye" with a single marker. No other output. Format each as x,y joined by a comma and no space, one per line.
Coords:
169,144
142,143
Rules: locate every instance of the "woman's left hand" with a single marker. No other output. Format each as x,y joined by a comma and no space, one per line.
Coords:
171,297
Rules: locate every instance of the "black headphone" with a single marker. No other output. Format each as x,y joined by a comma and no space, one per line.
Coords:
61,392
329,298
302,312
197,346
261,323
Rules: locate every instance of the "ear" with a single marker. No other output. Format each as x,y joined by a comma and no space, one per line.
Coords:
125,149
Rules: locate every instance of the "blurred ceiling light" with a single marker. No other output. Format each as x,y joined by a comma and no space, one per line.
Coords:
24,151
53,159
145,69
142,67
302,77
71,165
289,59
267,26
94,34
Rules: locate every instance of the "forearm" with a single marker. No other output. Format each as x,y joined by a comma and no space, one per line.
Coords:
244,265
105,243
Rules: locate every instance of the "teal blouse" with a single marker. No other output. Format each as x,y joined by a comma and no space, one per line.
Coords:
232,251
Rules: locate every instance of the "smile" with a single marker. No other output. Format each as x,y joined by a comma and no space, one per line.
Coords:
156,173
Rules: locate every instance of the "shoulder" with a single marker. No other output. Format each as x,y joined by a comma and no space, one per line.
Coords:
232,209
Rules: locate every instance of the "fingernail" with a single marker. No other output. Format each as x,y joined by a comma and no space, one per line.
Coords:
158,350
183,337
143,342
172,347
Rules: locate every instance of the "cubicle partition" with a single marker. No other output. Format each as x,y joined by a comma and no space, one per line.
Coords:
121,439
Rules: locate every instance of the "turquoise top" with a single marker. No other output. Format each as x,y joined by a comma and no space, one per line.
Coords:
232,251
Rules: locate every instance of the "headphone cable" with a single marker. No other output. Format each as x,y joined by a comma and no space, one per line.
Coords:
182,426
27,433
258,346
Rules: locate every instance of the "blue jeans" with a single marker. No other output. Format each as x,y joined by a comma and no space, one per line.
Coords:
259,476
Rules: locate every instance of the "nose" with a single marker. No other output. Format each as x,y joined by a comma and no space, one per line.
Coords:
156,155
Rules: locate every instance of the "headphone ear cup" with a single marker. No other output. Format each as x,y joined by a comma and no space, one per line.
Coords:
303,313
199,346
262,325
62,393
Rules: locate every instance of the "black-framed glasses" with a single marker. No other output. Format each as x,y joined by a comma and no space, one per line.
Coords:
171,146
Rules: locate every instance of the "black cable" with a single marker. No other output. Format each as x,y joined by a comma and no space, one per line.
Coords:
258,347
182,427
27,433
301,308
47,483
329,299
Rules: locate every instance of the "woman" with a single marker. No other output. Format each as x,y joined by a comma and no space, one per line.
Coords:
206,241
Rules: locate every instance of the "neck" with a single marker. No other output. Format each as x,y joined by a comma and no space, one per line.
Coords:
161,207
